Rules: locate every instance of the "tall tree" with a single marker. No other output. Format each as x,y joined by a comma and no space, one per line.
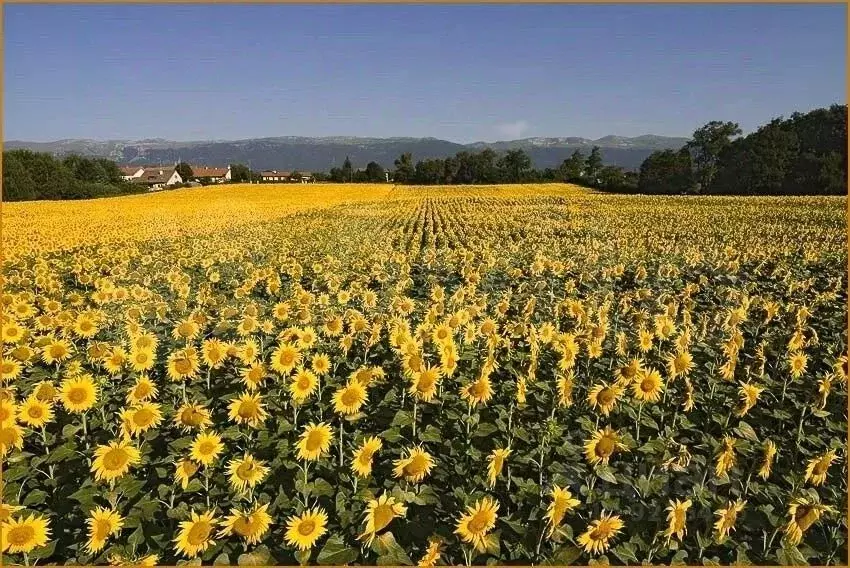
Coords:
516,164
706,146
593,165
571,169
239,173
375,172
404,168
347,170
185,171
666,172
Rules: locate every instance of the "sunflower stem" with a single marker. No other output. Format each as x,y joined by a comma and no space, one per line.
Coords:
207,486
415,405
26,559
341,425
637,434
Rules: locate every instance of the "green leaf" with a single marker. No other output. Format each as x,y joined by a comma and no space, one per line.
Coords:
322,488
61,453
43,551
303,557
390,553
402,418
258,557
222,560
746,431
605,472
335,553
564,556
34,498
431,434
626,553
485,429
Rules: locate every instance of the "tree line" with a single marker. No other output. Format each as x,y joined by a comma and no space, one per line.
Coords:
31,175
805,154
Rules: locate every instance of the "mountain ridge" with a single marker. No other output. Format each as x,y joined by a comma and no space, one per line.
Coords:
322,153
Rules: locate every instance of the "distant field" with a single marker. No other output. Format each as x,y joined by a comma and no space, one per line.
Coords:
335,374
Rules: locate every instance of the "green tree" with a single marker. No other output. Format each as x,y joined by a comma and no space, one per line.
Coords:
571,169
239,173
347,170
515,164
593,165
404,168
707,144
185,171
375,172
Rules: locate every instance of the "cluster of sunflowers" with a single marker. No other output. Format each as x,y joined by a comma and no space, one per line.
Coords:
524,374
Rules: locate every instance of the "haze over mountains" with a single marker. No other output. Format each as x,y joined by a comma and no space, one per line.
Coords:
321,154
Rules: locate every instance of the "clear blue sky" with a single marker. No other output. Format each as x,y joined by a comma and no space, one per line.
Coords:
462,73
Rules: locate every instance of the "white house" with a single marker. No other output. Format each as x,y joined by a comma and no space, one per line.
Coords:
215,175
158,177
129,173
274,175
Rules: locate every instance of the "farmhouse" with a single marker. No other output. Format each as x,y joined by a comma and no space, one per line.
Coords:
129,173
158,177
274,175
211,174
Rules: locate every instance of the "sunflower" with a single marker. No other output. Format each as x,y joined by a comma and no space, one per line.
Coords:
562,503
285,358
141,418
432,554
315,441
206,447
253,375
184,470
196,534
840,368
143,390
246,473
250,525
645,338
9,369
767,459
602,446
477,392
803,513
115,360
604,397
424,383
565,389
56,351
473,526
248,409
8,412
102,523
24,534
597,538
45,391
113,461
11,436
78,394
192,417
213,353
349,398
141,360
798,362
303,531
380,513
320,364
186,330
303,384
726,519
680,364
726,457
12,333
817,468
362,462
676,518
749,394
496,462
647,386
6,511
183,364
415,467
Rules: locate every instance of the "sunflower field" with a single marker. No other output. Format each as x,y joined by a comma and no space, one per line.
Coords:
379,375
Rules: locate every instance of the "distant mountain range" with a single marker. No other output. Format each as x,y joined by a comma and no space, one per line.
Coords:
321,154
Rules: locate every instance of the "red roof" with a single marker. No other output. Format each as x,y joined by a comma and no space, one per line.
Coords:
129,170
204,171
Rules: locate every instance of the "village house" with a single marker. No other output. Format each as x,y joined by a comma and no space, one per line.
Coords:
271,176
211,174
158,177
129,173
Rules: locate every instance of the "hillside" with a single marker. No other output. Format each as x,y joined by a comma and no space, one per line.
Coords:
320,154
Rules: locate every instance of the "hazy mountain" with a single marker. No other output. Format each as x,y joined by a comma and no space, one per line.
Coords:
320,154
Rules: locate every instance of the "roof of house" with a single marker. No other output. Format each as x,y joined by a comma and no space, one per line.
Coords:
155,175
129,170
205,171
275,173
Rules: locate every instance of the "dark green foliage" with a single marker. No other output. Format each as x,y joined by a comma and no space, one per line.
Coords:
185,171
805,154
31,175
239,173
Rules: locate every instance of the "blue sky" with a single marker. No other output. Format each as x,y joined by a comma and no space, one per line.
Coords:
462,73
